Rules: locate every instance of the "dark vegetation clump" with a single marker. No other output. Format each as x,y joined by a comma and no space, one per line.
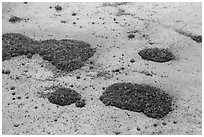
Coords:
15,44
58,8
151,101
198,38
66,55
15,19
63,96
156,54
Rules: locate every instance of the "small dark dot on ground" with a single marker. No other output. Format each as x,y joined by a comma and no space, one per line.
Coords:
91,67
91,62
131,36
155,125
117,132
78,77
12,88
138,129
63,21
151,43
164,123
58,8
175,122
16,125
116,70
73,14
71,86
132,60
6,71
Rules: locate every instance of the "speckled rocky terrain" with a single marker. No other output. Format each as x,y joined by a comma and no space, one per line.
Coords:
62,61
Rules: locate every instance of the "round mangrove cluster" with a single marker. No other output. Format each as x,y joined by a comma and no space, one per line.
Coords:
63,96
66,55
156,54
151,101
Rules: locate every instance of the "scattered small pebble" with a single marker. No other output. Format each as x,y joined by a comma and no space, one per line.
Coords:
5,71
58,8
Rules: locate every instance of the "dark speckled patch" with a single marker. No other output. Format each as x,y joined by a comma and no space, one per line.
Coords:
151,101
15,19
66,55
15,44
197,38
156,54
63,96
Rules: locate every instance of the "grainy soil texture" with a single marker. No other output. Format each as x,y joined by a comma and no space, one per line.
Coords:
103,68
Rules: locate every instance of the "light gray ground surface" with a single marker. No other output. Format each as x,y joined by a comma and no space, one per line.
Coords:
105,26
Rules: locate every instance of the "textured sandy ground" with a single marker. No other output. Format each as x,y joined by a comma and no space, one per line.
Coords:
105,27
